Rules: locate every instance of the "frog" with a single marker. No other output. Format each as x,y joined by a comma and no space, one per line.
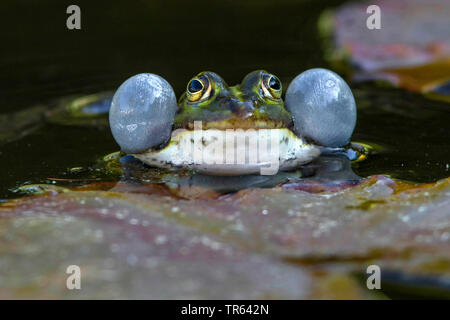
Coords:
245,129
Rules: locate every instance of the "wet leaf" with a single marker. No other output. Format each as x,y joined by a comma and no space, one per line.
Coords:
411,49
256,243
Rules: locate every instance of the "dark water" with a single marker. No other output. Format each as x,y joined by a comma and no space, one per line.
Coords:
41,61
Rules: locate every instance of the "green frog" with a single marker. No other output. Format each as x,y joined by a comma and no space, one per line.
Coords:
243,129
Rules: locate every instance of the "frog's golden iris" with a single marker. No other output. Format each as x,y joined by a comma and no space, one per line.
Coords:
271,87
198,89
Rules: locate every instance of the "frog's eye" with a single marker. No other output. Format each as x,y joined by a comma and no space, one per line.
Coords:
322,106
198,89
271,87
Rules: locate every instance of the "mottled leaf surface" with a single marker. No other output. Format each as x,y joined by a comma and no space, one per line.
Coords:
138,241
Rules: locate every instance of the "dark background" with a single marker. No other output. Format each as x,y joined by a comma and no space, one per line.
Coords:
42,59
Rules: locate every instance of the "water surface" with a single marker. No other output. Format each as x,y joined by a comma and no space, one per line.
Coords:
44,61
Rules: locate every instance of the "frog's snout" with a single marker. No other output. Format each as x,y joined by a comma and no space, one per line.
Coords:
241,109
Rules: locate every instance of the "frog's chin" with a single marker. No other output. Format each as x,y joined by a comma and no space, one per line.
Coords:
232,152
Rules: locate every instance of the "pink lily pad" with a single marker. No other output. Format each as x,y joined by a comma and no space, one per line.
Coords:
136,242
410,50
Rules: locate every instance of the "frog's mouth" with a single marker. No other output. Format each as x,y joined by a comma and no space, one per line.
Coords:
232,151
246,123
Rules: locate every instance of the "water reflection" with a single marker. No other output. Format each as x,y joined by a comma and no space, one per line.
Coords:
329,171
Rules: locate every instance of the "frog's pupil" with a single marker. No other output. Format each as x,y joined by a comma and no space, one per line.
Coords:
195,86
274,83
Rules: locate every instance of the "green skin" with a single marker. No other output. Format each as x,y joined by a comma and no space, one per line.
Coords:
244,106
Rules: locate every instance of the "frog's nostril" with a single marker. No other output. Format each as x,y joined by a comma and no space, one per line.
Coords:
234,106
240,109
